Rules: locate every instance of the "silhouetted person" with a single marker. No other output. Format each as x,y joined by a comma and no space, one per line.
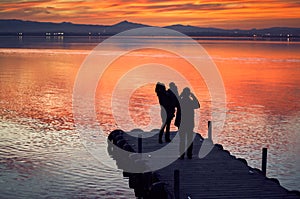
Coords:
188,103
167,112
173,92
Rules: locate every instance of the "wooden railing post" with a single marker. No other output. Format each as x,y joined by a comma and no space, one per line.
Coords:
140,144
209,134
264,161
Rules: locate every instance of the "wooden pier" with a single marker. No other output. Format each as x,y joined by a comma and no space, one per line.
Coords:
217,175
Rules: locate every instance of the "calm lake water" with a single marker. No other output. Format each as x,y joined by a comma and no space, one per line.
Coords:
41,154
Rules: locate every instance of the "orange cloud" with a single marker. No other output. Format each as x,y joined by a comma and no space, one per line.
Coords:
223,14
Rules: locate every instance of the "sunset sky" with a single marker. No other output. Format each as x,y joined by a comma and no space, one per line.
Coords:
242,14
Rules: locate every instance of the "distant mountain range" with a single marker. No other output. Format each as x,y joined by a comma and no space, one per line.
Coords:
20,27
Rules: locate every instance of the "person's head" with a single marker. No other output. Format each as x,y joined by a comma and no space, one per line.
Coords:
172,86
186,92
160,87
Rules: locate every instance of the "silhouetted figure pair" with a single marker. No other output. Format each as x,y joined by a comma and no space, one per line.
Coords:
167,100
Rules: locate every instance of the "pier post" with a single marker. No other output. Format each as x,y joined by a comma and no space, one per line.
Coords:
139,143
176,184
209,134
264,161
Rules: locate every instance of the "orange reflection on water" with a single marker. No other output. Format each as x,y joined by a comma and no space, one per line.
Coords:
140,104
38,85
259,74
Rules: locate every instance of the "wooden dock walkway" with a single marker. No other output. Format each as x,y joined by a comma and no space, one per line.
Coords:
218,175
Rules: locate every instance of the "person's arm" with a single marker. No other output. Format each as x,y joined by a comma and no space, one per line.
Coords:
195,101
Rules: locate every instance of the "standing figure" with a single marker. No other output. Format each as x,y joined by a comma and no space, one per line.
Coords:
188,103
173,92
167,112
